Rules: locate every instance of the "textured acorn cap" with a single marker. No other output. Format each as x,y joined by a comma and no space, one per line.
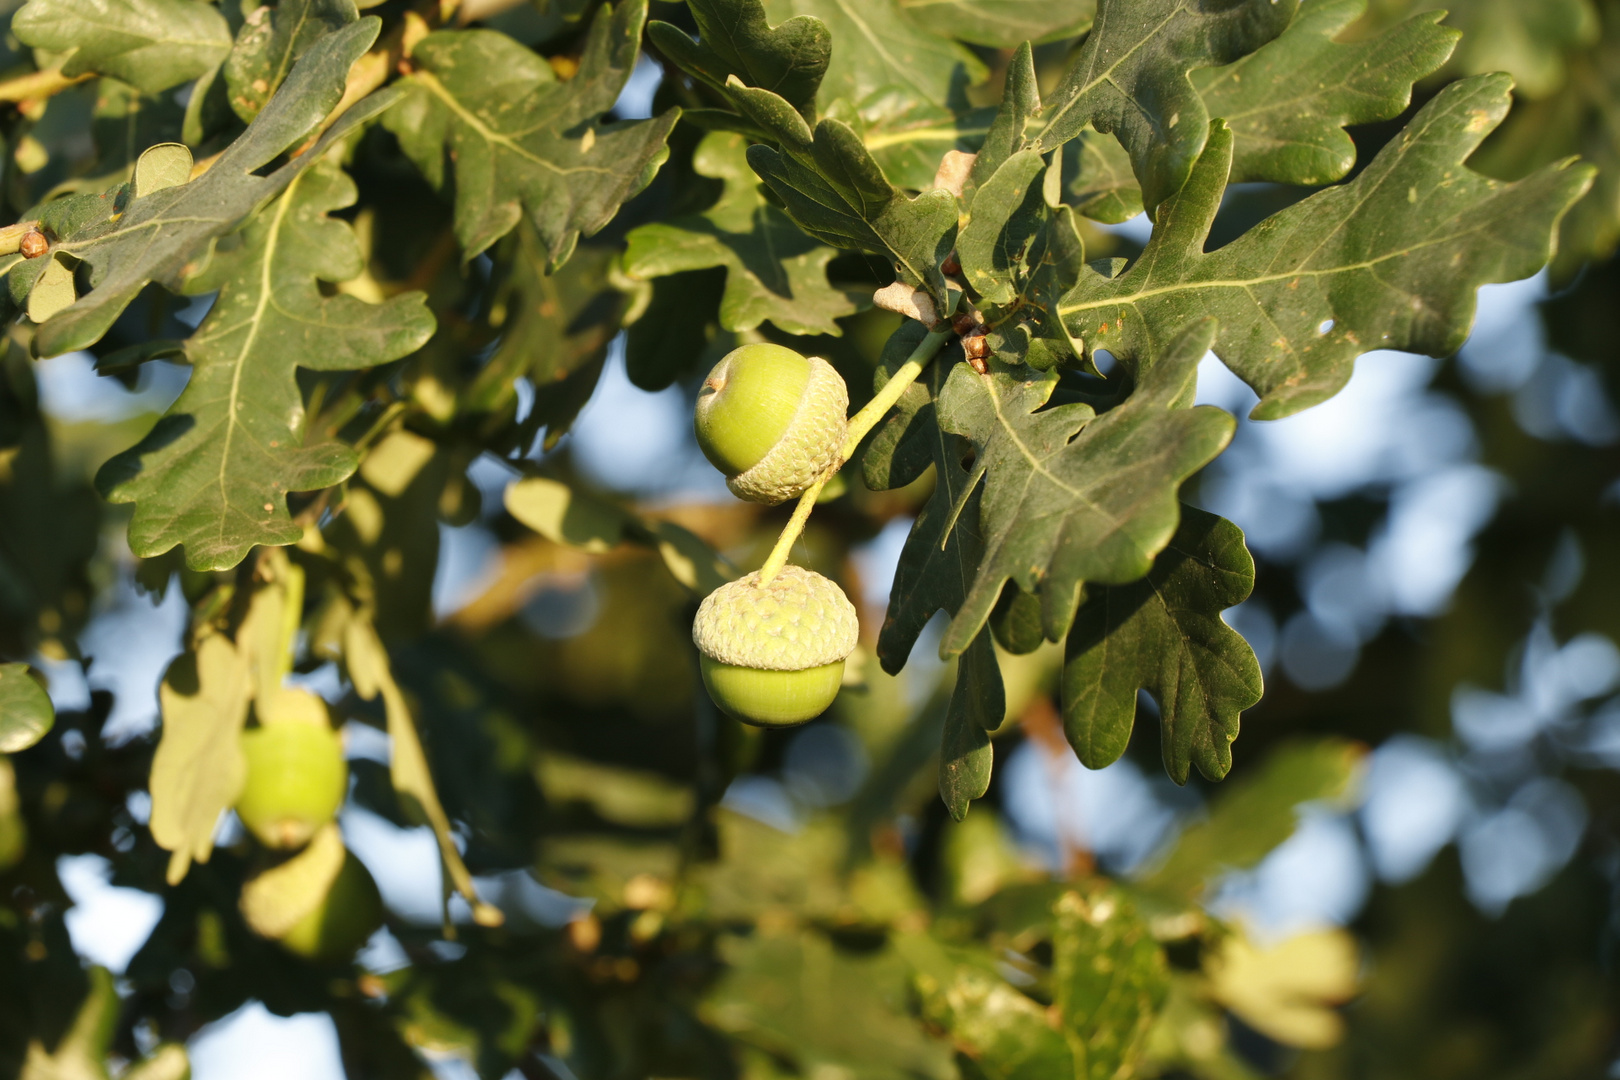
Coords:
798,620
808,448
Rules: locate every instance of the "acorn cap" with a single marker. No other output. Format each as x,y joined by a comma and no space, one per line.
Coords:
798,620
808,447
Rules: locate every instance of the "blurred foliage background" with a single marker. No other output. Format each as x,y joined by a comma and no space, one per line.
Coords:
1411,872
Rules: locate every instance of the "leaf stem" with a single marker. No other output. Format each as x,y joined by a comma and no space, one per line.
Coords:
859,426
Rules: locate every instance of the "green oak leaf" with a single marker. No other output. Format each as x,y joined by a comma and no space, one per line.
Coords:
1254,812
876,47
26,713
735,38
1109,980
215,472
1131,78
167,236
834,190
151,44
521,141
1531,42
1003,24
1164,634
199,769
1289,101
1071,497
1390,260
1287,104
773,270
270,41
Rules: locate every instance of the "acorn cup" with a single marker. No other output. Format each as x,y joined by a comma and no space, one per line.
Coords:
773,655
296,775
773,421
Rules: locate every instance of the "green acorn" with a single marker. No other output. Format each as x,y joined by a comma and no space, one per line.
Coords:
296,775
773,421
321,904
773,654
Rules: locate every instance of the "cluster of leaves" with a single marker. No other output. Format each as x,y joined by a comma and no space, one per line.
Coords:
418,231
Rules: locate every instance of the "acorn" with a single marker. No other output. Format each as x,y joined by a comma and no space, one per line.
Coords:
296,775
321,904
773,655
773,421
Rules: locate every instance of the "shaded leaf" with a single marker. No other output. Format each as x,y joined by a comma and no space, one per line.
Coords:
215,472
1109,980
734,38
834,190
1070,497
1131,78
1003,24
150,44
167,236
522,142
773,270
1390,260
1164,634
198,770
270,41
977,707
26,713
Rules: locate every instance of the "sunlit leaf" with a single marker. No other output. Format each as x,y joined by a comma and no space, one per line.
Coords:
1109,980
150,44
522,142
1131,78
1071,497
272,39
1390,260
168,236
215,473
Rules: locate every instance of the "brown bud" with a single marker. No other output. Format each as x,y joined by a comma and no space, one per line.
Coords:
977,349
952,265
34,244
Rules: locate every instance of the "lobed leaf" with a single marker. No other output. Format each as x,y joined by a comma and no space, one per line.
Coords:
272,39
1289,101
215,472
522,142
151,44
1390,260
1071,497
773,270
1132,78
834,190
735,38
1164,634
168,236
